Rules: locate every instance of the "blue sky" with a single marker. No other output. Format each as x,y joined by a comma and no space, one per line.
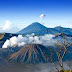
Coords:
21,13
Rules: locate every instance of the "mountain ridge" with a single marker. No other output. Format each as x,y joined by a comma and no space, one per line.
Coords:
40,29
4,37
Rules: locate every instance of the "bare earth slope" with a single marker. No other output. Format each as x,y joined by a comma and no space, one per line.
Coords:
31,54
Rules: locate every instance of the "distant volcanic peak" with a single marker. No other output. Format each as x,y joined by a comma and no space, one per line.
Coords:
32,28
31,54
36,23
63,28
59,27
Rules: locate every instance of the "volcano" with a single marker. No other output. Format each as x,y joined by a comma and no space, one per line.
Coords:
31,54
38,29
32,28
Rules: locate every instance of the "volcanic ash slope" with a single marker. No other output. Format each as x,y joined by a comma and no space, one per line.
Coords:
31,54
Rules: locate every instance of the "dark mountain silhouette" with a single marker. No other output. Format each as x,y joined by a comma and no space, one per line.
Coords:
31,54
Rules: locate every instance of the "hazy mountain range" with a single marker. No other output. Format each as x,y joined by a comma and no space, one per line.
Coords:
40,29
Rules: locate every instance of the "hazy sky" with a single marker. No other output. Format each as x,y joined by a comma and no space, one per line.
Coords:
18,14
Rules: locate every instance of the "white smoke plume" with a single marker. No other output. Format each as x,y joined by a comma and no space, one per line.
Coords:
46,40
41,18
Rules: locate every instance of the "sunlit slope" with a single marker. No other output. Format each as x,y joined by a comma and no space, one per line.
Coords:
31,54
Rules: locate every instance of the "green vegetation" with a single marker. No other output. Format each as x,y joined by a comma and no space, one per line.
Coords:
1,36
67,71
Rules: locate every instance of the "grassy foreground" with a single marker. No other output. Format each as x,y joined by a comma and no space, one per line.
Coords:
66,71
1,36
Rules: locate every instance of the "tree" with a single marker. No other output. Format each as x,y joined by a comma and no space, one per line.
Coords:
51,58
61,49
69,63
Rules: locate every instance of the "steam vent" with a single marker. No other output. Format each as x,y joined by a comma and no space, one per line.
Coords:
31,54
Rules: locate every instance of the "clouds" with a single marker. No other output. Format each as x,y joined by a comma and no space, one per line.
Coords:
9,27
46,40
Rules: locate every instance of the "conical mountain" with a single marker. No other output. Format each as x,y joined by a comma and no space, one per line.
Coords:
38,29
32,28
31,54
